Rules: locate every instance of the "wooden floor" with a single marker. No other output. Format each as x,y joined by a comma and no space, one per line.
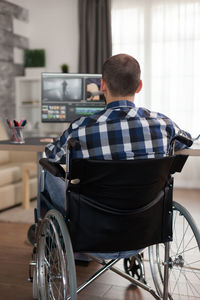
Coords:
15,253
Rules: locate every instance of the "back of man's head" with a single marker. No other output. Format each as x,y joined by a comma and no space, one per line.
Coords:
122,75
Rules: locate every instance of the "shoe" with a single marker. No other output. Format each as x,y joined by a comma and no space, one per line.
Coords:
81,259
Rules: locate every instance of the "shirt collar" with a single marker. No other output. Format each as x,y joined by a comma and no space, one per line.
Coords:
120,103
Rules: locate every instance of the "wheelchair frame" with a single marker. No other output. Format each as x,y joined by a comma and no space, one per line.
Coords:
54,221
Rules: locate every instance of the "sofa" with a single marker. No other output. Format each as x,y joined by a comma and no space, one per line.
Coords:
11,166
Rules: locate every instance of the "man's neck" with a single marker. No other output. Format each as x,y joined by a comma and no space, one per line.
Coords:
112,99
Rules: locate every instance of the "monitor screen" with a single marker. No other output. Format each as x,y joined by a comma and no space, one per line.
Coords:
86,110
62,89
53,112
65,97
93,92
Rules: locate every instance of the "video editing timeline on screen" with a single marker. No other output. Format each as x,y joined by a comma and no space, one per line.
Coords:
65,97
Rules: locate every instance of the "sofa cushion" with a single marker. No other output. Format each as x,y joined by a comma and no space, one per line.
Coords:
4,155
11,173
11,194
23,156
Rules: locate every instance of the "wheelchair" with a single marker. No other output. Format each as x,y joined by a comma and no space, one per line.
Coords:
116,206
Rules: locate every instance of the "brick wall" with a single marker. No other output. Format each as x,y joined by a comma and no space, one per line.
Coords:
8,69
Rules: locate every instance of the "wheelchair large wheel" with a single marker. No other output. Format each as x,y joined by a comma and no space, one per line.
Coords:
56,274
35,285
33,275
184,258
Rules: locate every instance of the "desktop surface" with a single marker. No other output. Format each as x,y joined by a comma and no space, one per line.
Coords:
35,144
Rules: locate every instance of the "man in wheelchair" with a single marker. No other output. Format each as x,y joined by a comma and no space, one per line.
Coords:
121,131
116,153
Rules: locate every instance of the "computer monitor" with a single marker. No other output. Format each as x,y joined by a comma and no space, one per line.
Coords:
65,97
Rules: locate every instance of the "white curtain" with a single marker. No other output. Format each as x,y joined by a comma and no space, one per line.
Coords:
164,36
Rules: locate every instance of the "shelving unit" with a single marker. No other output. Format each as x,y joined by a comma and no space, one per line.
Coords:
28,107
28,99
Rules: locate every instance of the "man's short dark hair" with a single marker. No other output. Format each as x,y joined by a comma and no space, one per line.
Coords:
122,75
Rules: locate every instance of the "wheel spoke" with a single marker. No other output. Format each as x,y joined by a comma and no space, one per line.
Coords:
177,279
182,252
58,291
191,263
186,245
192,286
51,293
190,270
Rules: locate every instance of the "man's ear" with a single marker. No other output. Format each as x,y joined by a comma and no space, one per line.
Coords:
103,86
139,87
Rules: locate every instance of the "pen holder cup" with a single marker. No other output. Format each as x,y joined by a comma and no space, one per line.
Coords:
17,136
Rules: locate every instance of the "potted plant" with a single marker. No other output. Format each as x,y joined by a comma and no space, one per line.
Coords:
65,68
34,61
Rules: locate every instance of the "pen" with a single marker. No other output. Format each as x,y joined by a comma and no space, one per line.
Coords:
15,123
13,130
23,123
9,123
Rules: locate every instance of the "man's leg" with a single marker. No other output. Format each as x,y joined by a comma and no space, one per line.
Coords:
56,189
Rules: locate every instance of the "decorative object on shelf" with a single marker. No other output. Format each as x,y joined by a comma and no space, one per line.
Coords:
31,102
34,62
65,68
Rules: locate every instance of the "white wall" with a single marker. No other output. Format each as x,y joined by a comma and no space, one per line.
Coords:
53,25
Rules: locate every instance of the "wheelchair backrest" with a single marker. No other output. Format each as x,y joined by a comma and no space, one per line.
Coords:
121,205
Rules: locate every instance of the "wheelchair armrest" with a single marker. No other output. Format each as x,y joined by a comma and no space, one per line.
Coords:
178,163
182,139
53,168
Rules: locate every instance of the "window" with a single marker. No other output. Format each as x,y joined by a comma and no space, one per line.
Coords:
164,36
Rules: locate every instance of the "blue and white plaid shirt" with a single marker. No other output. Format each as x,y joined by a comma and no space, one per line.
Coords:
119,132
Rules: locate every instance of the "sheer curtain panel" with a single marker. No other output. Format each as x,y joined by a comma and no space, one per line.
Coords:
164,35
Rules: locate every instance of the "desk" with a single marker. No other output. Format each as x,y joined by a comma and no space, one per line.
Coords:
31,144
35,145
189,151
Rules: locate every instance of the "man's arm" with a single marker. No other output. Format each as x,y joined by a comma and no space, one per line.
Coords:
178,131
56,151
